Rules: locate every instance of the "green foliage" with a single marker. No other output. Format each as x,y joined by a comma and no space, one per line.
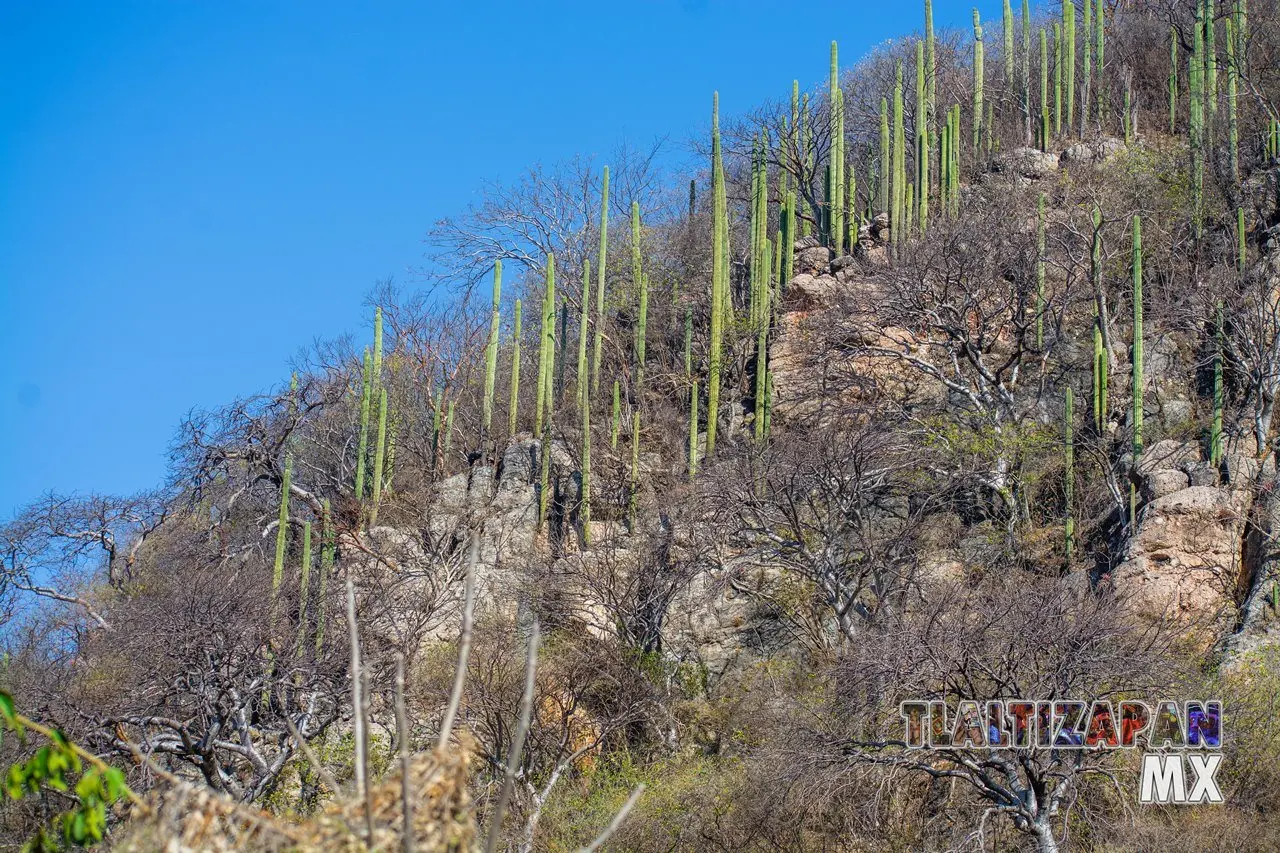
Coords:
59,765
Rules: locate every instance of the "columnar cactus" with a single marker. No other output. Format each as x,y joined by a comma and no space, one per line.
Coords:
584,322
1069,56
1044,90
1086,80
898,217
788,240
1099,43
1138,385
1195,74
282,521
1025,83
886,158
597,346
642,312
584,508
491,354
1210,61
547,347
978,77
719,276
762,345
1057,78
1006,27
366,400
931,57
379,456
836,198
514,410
1100,360
1173,79
922,136
1233,127
1068,480
1241,242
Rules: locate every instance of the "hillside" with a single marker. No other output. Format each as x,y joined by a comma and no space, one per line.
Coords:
951,380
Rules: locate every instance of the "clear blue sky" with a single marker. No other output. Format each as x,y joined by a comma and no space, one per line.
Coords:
190,192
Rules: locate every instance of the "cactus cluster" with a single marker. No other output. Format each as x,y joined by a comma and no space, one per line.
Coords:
719,274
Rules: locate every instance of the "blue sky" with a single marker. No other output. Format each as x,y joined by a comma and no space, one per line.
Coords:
194,191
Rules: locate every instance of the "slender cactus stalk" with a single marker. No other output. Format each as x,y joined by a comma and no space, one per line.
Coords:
282,529
931,58
788,240
1173,80
1069,33
1210,62
922,132
379,456
1233,125
1138,385
1086,80
584,323
491,354
762,348
448,431
597,346
837,153
547,348
377,348
1241,241
978,77
1057,78
1197,134
514,409
1044,90
1026,70
886,158
1099,43
719,276
1068,483
898,218
362,449
584,509
1006,30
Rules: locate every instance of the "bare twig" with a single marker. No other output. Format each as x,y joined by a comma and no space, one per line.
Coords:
326,778
617,820
358,711
517,742
464,643
402,733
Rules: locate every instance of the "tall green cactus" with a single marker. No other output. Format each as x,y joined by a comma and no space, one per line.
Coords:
1233,126
886,158
547,347
1044,90
377,348
366,401
1241,241
514,410
788,240
1173,79
1040,304
597,347
898,218
1086,79
448,430
978,77
1069,57
491,354
1100,358
1006,27
642,312
1025,86
1057,78
762,345
922,140
379,457
1210,61
931,57
837,153
584,323
719,275
282,529
1099,43
584,509
1068,480
1195,74
1138,384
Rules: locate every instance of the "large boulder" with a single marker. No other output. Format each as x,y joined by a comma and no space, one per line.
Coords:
1029,163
